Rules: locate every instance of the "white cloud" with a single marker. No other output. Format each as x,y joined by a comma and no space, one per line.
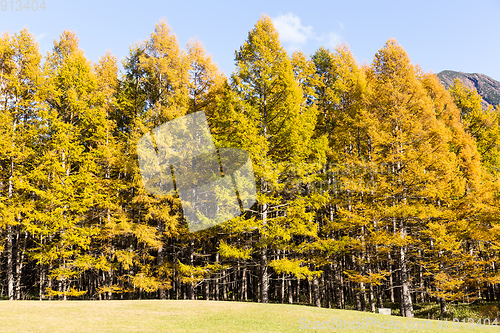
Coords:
294,35
40,36
330,40
292,31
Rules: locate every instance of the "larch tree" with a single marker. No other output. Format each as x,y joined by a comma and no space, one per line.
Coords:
20,81
344,121
481,210
447,257
413,146
205,80
374,182
69,159
154,90
264,80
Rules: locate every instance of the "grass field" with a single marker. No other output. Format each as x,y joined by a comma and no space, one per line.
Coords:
195,316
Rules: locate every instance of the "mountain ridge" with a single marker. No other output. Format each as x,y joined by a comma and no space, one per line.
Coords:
488,88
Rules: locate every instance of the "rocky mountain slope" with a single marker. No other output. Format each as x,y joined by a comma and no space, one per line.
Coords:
488,88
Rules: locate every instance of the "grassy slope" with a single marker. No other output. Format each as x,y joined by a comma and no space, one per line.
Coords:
182,316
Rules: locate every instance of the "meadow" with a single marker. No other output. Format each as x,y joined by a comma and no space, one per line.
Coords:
201,316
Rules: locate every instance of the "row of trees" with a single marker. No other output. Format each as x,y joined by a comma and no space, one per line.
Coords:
375,184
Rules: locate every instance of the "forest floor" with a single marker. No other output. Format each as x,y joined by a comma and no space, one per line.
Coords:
205,316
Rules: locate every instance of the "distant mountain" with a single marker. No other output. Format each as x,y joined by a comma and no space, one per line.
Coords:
488,88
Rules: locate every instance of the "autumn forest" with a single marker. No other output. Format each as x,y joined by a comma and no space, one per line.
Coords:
376,185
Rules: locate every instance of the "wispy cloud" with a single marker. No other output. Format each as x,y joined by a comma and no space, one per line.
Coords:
291,30
331,40
40,36
294,35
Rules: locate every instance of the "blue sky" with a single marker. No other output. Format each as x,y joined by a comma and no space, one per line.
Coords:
438,35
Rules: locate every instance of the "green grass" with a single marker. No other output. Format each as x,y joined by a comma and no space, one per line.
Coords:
187,316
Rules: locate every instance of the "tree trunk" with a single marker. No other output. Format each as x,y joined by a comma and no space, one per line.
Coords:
444,308
10,266
206,290
243,295
160,259
50,280
339,285
298,291
224,285
20,261
9,240
363,296
216,282
391,280
42,281
317,298
421,280
405,287
358,299
264,281
189,286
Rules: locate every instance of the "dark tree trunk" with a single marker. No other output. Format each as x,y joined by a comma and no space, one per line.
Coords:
405,286
317,298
